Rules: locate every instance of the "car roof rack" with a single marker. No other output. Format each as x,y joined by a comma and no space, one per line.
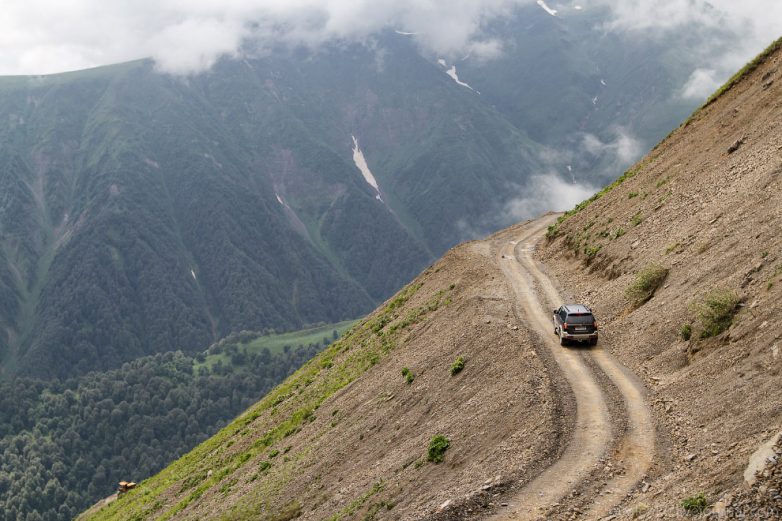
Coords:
577,308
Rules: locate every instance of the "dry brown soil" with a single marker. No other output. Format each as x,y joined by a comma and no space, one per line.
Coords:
706,204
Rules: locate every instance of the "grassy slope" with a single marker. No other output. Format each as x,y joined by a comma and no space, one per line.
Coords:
280,414
275,343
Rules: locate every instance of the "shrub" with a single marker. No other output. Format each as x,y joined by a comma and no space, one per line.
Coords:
408,374
694,504
289,512
617,233
632,194
685,332
646,283
591,251
437,447
264,466
716,311
636,219
640,509
457,366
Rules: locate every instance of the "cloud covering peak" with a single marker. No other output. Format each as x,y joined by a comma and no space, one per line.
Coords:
188,36
45,36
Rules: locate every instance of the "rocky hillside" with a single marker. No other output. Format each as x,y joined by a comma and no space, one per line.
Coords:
454,401
682,261
348,435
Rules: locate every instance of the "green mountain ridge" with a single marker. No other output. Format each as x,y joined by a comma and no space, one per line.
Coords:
145,213
64,443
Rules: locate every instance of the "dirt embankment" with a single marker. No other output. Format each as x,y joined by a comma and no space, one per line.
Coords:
706,205
347,436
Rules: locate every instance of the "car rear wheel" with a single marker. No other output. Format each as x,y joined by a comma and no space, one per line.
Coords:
593,341
562,340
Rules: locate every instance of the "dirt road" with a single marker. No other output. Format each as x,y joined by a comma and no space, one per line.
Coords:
622,442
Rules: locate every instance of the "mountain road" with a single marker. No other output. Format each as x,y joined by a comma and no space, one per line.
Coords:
599,438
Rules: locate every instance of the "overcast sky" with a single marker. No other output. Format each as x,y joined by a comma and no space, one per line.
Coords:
188,36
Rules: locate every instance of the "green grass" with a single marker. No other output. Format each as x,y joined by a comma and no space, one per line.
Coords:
715,311
673,247
437,447
408,375
286,410
646,282
357,503
617,233
591,251
747,69
685,332
457,366
694,504
553,230
276,343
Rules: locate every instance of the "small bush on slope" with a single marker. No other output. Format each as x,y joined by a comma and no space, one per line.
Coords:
716,311
646,283
457,366
694,504
437,447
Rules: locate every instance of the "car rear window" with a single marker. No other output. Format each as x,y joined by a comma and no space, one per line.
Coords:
583,318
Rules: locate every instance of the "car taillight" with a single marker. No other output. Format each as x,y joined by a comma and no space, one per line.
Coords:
595,326
564,325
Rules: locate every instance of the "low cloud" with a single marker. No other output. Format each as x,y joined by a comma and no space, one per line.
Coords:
44,36
615,153
701,84
545,193
723,34
541,193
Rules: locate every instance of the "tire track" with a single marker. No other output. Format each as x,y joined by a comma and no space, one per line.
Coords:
592,438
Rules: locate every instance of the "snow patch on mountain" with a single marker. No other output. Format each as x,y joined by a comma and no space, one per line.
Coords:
361,164
452,73
192,272
552,12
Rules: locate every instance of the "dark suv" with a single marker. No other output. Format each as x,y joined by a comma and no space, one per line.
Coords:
575,322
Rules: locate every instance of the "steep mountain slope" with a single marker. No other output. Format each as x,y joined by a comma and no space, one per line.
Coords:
146,213
282,457
705,205
347,436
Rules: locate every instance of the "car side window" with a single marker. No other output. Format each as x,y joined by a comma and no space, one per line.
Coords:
563,315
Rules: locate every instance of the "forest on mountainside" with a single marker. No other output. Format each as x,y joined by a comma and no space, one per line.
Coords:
63,444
